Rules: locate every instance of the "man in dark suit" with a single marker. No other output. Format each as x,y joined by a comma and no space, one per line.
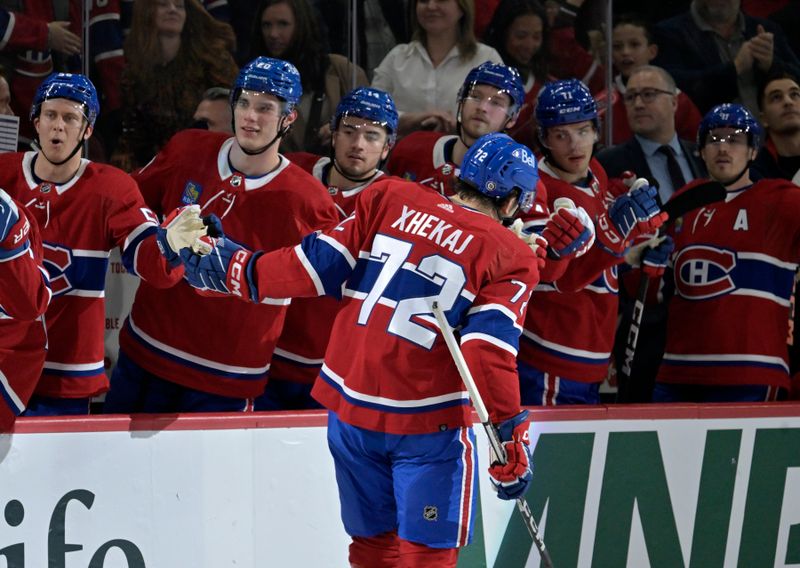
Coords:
655,152
650,102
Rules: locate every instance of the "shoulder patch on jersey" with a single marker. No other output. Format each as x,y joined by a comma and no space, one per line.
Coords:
191,192
446,206
409,176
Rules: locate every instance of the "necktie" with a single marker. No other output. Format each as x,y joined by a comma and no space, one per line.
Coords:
674,169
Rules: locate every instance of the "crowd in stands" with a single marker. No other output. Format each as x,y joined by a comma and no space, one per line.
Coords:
454,70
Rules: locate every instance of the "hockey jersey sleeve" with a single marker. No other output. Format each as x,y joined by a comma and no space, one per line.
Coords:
24,286
132,226
19,31
490,337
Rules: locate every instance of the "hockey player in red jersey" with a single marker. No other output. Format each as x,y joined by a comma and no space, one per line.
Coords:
733,273
569,330
83,211
363,128
400,422
264,200
489,101
24,296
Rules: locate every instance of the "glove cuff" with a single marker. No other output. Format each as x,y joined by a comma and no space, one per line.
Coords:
172,257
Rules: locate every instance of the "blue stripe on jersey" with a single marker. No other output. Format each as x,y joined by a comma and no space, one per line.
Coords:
129,254
295,362
600,360
387,408
70,271
193,365
407,283
105,35
74,374
330,264
9,401
720,363
763,276
494,323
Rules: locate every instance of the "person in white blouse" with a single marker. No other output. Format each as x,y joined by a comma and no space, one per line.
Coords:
424,76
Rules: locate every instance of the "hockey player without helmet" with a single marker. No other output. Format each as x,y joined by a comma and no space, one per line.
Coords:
495,164
565,102
370,104
730,115
502,77
70,86
272,76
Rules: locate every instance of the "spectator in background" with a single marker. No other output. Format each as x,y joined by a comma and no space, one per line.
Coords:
41,36
214,110
632,46
175,51
424,76
519,32
288,29
779,102
718,54
568,57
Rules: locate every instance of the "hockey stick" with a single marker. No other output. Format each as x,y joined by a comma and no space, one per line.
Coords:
491,431
694,198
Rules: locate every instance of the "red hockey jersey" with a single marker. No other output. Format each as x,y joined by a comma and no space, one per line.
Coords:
80,222
300,351
24,296
569,330
219,345
387,368
733,270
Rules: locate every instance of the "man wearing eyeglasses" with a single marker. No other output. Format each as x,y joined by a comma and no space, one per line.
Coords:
654,152
733,270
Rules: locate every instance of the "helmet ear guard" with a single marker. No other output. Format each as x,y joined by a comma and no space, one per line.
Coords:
495,165
71,86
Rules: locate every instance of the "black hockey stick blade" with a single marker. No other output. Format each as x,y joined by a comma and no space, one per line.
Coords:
694,198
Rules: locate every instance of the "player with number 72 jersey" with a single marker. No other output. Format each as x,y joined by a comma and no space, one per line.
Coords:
386,367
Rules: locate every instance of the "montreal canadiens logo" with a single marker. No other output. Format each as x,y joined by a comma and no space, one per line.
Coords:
703,272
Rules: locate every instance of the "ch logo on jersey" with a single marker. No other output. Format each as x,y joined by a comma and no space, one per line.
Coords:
703,272
57,260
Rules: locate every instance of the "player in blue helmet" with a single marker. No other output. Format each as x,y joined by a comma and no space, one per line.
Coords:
496,166
364,130
729,138
489,100
400,441
570,109
74,98
267,87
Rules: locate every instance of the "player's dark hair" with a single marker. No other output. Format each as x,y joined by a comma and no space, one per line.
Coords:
774,75
467,192
637,21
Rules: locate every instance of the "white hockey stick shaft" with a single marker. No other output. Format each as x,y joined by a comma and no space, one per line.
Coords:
491,431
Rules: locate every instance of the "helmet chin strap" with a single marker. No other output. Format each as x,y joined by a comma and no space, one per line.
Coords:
282,131
735,180
71,154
